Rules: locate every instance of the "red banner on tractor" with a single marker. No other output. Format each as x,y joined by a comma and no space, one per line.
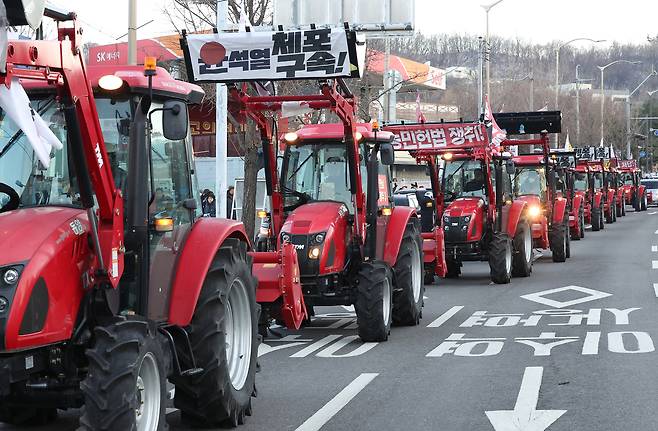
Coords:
627,164
413,137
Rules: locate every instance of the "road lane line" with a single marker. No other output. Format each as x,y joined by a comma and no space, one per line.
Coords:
655,289
445,316
316,346
329,410
654,248
591,344
652,213
656,232
654,264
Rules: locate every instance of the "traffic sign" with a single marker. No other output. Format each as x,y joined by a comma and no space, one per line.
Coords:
655,132
643,153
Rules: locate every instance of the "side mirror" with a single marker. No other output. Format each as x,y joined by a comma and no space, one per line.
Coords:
387,154
509,166
174,120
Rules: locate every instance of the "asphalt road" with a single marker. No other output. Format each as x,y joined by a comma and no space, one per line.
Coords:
522,356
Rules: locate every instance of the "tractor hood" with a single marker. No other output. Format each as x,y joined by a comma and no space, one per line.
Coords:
23,231
463,207
314,217
529,199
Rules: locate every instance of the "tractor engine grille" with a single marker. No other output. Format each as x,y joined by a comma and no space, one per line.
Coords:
307,267
457,229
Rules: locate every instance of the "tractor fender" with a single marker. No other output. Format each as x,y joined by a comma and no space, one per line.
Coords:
199,250
514,214
641,191
559,210
397,224
598,196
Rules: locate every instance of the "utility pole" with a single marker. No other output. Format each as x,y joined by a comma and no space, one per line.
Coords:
487,8
577,106
221,108
628,114
132,32
480,84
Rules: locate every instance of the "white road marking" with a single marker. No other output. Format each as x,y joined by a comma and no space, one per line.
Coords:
349,308
171,410
329,410
541,297
656,232
316,346
655,289
654,248
591,344
445,316
525,415
654,264
652,213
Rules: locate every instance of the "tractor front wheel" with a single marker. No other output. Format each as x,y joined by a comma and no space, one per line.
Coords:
500,258
596,219
224,338
522,261
644,203
559,242
409,283
374,297
125,387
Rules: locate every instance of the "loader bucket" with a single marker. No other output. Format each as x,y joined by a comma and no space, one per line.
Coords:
278,277
433,250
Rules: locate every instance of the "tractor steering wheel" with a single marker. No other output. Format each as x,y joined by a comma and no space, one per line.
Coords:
14,199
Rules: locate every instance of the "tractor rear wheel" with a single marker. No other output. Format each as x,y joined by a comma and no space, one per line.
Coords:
21,415
566,234
409,283
582,223
644,203
623,207
126,383
500,258
609,216
374,298
637,205
601,217
596,219
619,211
559,242
224,339
522,261
576,232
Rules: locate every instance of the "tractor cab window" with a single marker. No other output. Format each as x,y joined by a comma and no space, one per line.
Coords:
21,170
598,180
115,116
580,181
628,179
530,181
464,178
317,172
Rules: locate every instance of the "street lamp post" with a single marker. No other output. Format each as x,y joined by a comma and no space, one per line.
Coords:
602,69
578,81
651,130
557,63
628,113
487,8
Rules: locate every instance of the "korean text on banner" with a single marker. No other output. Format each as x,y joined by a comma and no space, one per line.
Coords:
250,56
437,136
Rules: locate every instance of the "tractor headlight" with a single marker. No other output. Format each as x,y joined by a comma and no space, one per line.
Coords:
285,237
314,253
10,276
446,219
534,211
318,238
467,219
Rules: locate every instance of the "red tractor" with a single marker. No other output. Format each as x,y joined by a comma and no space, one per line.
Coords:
110,282
479,218
635,192
565,162
332,204
588,183
536,180
615,182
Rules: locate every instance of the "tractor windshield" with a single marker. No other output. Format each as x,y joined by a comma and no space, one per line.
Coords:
464,178
628,179
580,181
317,172
21,170
598,180
530,181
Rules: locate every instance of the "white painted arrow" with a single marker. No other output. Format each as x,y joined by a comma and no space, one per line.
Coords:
525,416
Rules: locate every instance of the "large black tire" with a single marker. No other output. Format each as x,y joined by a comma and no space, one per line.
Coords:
559,242
596,219
643,203
601,217
582,223
576,234
409,283
623,207
522,260
566,228
500,258
609,216
619,211
637,205
215,397
453,268
122,355
374,297
21,415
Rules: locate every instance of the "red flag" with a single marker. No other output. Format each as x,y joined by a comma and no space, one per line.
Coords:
498,135
420,117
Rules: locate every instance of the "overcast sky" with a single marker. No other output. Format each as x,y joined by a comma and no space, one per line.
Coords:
530,20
